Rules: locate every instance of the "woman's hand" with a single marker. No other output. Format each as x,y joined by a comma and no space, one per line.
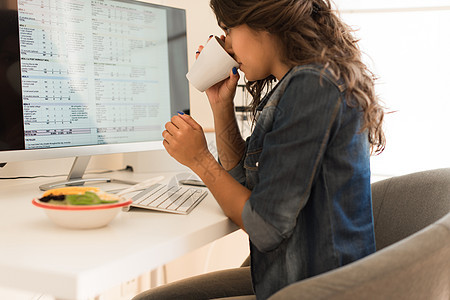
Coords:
185,141
222,93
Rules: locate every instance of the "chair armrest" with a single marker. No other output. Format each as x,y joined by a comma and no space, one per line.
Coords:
417,267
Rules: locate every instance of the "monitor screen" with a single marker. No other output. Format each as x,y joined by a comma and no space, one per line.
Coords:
89,77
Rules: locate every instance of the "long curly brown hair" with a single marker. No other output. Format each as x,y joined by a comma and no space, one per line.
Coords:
311,32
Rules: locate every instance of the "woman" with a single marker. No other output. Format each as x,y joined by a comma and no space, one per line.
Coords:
300,184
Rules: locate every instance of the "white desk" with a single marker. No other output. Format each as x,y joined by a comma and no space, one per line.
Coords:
38,256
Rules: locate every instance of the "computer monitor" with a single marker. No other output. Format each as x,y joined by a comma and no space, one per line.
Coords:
82,78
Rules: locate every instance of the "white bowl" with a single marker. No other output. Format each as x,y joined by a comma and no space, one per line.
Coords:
81,216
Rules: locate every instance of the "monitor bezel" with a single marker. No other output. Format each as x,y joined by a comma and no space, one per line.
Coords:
90,150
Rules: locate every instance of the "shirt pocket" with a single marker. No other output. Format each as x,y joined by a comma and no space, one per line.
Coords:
251,166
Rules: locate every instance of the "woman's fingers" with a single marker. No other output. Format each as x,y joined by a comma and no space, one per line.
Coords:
184,139
200,48
167,137
177,125
172,129
189,121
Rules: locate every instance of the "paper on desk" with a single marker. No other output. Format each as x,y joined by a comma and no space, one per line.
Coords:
142,185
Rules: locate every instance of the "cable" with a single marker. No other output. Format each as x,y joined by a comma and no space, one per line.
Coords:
127,168
30,177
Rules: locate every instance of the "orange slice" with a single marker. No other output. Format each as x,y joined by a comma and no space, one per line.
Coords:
72,190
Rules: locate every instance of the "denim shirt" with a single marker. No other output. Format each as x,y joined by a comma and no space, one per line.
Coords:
307,164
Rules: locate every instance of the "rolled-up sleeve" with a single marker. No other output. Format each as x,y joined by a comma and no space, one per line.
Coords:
291,153
263,233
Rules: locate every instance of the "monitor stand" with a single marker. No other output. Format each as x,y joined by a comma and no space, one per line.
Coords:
75,177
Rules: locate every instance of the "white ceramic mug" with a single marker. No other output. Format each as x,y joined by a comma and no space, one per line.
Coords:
213,65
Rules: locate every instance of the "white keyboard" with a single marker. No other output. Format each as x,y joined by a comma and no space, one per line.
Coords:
173,199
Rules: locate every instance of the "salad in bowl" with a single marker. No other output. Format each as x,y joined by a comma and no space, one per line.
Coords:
80,207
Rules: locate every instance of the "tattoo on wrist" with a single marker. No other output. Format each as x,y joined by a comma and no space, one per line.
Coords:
231,136
209,168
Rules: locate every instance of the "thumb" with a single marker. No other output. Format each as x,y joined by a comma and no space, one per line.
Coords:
188,119
234,78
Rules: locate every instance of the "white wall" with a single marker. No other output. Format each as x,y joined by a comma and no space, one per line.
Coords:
406,43
356,5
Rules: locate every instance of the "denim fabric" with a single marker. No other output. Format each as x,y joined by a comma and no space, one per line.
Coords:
307,164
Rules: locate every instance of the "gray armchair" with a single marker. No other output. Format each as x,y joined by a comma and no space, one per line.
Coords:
412,232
